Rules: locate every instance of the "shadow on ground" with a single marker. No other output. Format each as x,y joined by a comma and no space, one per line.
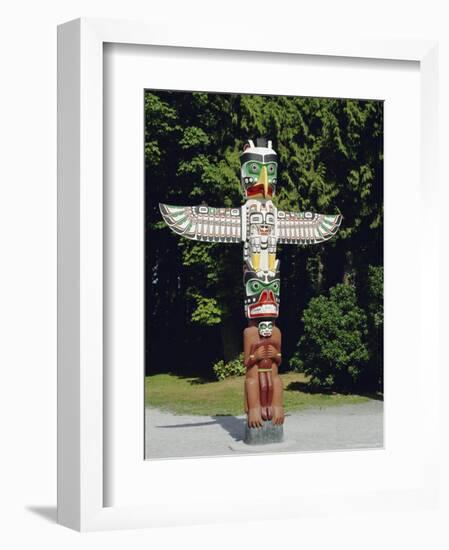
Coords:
232,424
47,512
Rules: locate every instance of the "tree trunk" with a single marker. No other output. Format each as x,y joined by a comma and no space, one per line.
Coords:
348,274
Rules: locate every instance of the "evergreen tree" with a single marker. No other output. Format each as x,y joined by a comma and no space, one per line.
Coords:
330,160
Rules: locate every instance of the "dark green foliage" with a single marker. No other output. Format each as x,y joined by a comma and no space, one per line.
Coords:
234,367
372,376
330,160
376,296
333,349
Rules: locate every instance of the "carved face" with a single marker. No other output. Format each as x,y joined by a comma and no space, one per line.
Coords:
265,329
261,221
262,292
258,169
259,179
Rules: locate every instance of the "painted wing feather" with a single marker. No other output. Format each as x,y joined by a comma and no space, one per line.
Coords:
203,223
306,228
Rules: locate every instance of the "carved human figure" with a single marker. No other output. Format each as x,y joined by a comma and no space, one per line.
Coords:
263,385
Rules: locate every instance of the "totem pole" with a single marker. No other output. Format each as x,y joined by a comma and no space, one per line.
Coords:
260,226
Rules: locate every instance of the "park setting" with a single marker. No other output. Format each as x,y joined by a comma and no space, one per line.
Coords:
330,161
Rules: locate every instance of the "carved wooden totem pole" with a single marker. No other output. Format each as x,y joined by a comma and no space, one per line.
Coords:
260,226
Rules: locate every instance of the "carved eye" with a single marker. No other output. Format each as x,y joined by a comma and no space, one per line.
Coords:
275,286
269,219
253,286
256,218
254,168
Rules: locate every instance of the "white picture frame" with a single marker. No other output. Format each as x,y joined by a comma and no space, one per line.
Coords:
82,393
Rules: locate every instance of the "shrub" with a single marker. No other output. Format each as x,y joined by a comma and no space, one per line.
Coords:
373,374
375,293
333,350
234,367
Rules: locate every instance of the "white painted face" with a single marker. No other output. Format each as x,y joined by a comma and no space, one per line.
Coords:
261,221
265,329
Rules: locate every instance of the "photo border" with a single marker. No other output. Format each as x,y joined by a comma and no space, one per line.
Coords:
80,239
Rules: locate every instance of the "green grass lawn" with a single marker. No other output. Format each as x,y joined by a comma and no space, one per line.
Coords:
194,396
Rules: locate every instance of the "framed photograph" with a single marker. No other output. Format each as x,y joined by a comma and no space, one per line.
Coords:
150,322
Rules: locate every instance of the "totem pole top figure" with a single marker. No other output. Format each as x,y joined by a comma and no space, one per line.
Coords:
259,170
258,223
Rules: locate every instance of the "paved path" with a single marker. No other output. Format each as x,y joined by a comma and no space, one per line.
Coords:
330,428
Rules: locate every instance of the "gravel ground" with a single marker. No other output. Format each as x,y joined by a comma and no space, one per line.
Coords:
340,427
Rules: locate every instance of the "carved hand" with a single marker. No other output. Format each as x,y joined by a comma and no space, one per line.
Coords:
260,353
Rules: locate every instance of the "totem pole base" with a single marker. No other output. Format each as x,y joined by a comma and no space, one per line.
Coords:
268,433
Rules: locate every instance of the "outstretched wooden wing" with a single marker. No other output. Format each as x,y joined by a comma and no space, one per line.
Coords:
306,227
203,223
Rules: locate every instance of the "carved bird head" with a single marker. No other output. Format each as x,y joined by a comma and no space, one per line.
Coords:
258,169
